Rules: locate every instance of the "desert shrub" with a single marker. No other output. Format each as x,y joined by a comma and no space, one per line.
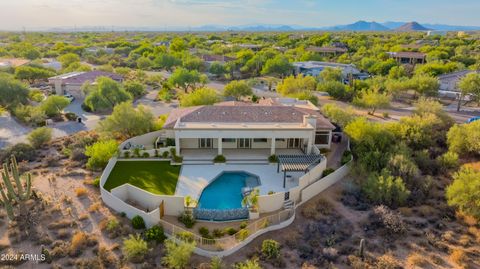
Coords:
230,230
177,255
464,192
243,225
270,249
134,248
22,152
385,189
96,182
331,254
71,116
416,260
80,192
248,264
185,236
315,210
327,172
126,154
459,257
242,234
155,233
187,219
99,153
387,261
219,159
448,160
146,155
40,137
217,233
216,263
78,243
78,154
204,232
165,154
138,222
389,219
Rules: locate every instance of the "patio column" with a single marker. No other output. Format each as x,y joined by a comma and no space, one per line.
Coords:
309,145
177,145
220,144
272,148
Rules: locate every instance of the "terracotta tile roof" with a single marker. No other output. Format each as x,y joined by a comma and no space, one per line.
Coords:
246,114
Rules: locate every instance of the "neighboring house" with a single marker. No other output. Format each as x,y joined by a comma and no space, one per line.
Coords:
162,43
52,63
314,68
328,51
238,125
208,58
409,57
253,47
13,62
96,50
449,82
71,83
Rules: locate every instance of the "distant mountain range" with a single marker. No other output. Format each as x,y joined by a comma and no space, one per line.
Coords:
357,26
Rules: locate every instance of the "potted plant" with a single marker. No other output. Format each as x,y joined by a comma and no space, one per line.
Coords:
251,201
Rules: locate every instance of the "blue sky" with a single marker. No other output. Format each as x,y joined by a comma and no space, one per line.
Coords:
15,14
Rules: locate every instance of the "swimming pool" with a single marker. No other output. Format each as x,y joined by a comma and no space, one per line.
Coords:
225,191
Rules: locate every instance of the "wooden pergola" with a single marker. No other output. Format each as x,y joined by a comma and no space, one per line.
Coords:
296,163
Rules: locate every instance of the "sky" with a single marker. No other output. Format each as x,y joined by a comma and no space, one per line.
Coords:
36,14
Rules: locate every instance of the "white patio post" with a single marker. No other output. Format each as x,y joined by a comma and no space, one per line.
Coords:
220,144
309,146
272,148
177,145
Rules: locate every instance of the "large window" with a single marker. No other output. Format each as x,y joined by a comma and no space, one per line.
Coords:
244,143
229,140
205,143
260,140
322,138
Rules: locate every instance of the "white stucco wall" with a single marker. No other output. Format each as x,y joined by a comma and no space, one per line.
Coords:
270,203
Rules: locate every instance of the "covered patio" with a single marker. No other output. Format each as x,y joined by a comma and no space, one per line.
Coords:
235,154
296,163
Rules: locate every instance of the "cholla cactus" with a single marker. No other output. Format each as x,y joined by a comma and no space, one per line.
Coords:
19,192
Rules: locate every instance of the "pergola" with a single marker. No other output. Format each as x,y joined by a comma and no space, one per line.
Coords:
296,163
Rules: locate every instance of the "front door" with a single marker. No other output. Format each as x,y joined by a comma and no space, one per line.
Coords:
205,143
244,143
295,143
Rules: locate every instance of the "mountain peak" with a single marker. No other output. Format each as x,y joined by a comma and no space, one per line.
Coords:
362,26
411,26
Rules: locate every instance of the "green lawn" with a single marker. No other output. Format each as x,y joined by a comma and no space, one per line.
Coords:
153,176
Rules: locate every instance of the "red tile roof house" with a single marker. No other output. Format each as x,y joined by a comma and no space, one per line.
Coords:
71,83
270,128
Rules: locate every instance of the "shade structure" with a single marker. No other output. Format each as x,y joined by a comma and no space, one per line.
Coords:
296,163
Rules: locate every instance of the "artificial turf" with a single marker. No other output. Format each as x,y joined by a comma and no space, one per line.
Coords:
153,176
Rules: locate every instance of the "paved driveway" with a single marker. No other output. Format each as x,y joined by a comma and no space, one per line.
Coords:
11,131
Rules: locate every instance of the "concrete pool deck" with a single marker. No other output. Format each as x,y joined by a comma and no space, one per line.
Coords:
194,178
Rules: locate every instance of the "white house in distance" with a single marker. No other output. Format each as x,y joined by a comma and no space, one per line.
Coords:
449,83
314,68
71,83
238,129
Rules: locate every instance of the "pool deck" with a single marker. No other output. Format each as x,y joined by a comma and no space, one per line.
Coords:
194,178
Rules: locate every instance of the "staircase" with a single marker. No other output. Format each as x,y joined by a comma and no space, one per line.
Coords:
288,204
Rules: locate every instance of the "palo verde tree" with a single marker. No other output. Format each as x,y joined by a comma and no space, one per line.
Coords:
13,190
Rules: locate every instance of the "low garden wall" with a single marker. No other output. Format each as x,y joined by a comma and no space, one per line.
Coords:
147,139
271,202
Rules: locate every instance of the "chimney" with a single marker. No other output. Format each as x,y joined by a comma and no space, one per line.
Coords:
310,119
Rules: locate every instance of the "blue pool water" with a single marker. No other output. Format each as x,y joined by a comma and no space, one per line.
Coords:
224,192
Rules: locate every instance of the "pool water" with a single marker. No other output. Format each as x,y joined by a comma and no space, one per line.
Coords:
225,192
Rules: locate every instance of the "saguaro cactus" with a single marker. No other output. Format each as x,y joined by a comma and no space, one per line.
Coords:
15,191
361,249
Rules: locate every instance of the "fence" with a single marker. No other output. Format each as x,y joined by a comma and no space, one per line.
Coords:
229,244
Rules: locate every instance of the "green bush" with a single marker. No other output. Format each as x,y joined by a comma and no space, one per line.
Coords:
99,153
146,155
449,160
230,230
204,232
187,219
273,159
346,157
327,172
126,154
219,159
271,249
177,255
22,151
40,137
155,233
243,225
138,222
71,116
165,154
134,248
96,182
177,159
386,189
112,225
170,142
185,236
